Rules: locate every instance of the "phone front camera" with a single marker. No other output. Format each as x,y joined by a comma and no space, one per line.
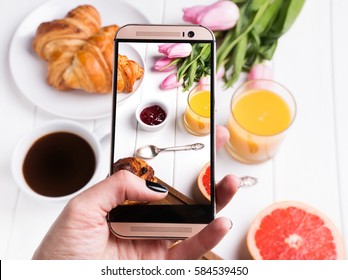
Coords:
191,34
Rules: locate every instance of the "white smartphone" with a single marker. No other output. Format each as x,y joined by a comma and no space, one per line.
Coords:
148,111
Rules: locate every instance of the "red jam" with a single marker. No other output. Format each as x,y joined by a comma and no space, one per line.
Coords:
153,115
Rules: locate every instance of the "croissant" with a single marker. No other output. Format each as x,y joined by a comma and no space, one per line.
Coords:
91,68
128,71
80,54
67,34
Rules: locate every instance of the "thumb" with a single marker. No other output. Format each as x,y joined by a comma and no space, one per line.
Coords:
114,190
205,240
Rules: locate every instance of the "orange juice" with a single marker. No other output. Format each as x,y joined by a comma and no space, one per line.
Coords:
258,120
200,103
262,112
197,114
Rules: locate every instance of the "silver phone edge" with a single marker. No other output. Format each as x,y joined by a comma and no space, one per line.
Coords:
172,32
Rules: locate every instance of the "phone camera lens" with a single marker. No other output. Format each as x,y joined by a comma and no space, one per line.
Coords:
191,34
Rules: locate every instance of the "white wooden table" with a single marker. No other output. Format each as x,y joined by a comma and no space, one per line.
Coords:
311,60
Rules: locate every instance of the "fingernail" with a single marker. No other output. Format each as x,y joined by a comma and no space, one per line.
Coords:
231,224
156,187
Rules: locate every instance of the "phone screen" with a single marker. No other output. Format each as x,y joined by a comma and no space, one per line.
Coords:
163,130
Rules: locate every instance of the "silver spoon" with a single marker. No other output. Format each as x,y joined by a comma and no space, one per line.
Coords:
151,151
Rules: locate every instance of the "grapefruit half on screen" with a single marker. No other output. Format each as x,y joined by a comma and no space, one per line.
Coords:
203,181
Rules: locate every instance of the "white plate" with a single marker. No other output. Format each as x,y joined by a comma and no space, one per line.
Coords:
132,54
29,71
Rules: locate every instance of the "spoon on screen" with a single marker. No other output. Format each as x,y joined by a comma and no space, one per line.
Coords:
151,151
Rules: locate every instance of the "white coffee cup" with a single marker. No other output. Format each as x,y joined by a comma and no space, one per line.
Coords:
23,146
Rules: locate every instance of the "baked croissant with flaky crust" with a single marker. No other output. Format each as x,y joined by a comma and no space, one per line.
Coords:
91,67
80,54
128,71
67,34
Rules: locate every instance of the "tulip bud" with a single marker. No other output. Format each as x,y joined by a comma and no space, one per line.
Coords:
220,72
162,63
175,50
171,82
204,80
260,71
221,15
190,14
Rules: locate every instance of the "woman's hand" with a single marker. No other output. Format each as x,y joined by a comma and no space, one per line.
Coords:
81,231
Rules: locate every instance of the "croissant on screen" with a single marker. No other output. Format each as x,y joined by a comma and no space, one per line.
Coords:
80,53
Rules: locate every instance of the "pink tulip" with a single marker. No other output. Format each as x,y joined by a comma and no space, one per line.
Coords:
260,71
175,50
220,72
162,63
204,80
190,14
221,15
171,82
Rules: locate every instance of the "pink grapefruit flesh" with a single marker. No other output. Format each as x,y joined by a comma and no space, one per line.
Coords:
293,230
203,181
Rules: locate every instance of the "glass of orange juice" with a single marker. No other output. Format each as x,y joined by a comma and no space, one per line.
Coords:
197,114
261,113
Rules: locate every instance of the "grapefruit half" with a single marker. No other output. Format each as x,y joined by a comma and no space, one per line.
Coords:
203,181
292,230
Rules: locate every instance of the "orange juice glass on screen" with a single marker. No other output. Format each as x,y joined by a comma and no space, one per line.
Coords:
261,113
197,114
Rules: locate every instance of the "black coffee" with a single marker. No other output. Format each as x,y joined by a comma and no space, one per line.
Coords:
59,164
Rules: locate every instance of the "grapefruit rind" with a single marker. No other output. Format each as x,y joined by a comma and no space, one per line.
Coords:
200,179
251,244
